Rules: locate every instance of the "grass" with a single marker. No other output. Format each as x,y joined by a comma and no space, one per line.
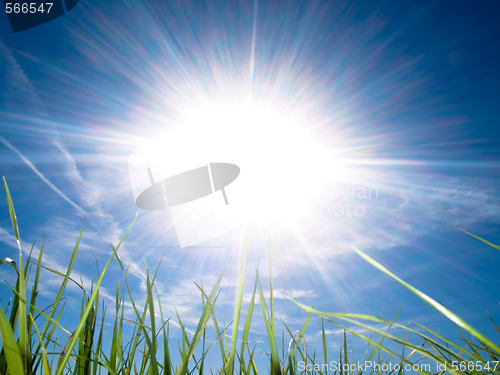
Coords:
30,344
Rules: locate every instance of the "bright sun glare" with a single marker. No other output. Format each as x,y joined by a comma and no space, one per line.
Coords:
282,163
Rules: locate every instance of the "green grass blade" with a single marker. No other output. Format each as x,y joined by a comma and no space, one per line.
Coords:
271,297
152,347
346,360
252,361
9,262
323,337
12,213
167,362
347,317
64,283
375,330
382,338
216,326
225,341
385,349
82,324
443,310
46,368
115,249
182,370
90,306
37,278
275,363
479,238
167,366
494,324
134,348
10,347
61,275
185,341
23,330
237,310
116,346
99,345
296,343
248,321
449,342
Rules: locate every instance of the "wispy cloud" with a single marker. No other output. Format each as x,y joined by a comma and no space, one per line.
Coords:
87,195
280,293
80,210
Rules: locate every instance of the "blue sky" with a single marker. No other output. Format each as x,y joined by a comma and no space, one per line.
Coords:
403,96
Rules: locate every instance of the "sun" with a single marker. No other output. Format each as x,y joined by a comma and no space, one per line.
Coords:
282,161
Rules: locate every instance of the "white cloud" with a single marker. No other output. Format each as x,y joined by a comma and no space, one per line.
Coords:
42,177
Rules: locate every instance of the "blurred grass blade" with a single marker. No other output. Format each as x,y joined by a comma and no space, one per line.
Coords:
323,337
450,315
479,238
382,333
379,346
271,297
10,348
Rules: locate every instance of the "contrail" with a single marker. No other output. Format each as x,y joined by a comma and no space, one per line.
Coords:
44,179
